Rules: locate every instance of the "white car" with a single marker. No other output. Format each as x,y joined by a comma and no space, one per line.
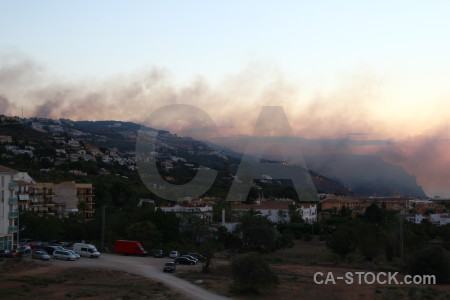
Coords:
86,250
64,254
173,254
74,253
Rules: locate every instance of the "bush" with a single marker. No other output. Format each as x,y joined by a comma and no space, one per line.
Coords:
285,241
343,240
431,261
259,238
250,274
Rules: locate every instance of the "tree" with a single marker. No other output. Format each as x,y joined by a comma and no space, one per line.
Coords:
294,214
251,274
257,231
373,214
144,231
259,238
343,240
43,228
368,240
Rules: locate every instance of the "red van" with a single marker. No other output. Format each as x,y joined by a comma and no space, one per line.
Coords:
130,247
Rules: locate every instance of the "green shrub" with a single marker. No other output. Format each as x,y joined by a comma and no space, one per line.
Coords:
251,274
432,260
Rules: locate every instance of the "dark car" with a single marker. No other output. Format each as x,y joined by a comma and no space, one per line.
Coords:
68,245
24,250
51,249
23,242
34,244
9,253
197,256
184,261
158,253
169,267
190,257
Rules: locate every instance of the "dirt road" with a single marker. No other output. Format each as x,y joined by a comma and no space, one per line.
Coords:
145,266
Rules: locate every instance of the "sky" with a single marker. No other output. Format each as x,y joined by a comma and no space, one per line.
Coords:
340,69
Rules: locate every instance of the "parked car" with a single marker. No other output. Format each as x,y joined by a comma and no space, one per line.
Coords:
48,249
184,261
51,249
199,257
34,244
130,247
77,256
158,253
86,250
8,253
63,254
191,258
68,245
24,250
24,241
40,254
169,267
173,254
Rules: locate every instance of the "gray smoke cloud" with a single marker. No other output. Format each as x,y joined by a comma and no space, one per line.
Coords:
234,105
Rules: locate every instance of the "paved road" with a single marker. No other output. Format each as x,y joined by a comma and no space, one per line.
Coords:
145,266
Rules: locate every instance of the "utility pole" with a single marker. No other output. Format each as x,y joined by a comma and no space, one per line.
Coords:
402,257
103,228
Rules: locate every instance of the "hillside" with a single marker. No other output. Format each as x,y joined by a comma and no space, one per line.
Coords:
84,150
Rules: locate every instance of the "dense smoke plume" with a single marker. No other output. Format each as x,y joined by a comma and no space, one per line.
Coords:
350,110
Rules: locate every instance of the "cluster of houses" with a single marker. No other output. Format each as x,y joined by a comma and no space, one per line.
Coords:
69,149
411,208
277,211
19,192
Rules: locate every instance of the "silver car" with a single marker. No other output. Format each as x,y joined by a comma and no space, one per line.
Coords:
40,254
74,253
63,254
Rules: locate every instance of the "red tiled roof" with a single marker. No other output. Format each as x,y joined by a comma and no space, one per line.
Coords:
4,169
265,205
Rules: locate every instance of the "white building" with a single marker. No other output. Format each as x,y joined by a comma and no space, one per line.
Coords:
188,208
9,214
440,219
275,211
278,211
309,212
73,143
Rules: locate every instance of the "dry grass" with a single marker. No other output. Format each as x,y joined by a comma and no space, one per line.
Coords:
27,280
296,267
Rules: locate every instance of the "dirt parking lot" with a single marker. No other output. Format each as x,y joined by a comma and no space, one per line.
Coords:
109,277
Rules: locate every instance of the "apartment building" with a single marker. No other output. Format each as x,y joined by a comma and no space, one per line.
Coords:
58,199
85,196
9,214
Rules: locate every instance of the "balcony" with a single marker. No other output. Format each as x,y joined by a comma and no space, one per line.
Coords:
12,229
12,185
13,214
13,200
